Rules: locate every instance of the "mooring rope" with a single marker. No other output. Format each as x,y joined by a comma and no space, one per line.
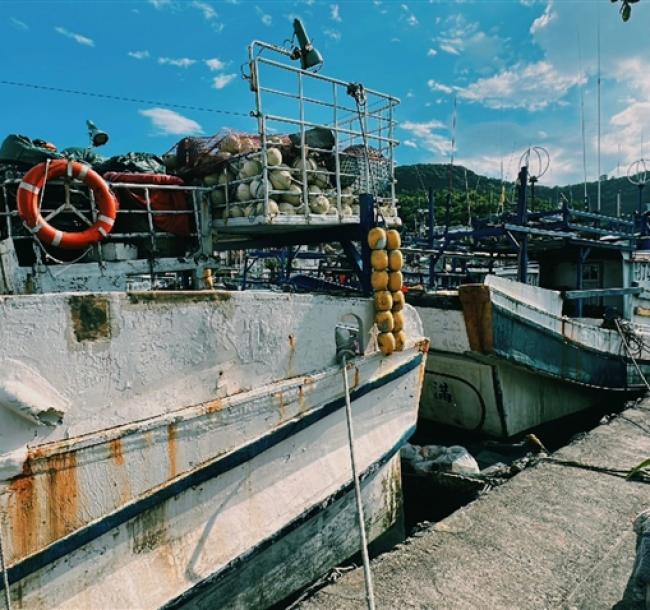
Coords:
367,573
5,576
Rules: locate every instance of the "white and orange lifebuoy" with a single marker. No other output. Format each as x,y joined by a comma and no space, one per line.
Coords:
29,208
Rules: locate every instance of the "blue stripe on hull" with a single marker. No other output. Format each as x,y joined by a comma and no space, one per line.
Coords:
83,536
210,586
528,344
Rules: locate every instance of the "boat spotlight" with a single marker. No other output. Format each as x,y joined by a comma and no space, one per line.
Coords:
97,136
309,56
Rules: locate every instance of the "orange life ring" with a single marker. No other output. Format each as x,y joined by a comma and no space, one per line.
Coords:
28,199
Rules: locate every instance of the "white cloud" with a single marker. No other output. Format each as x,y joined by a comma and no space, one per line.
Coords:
333,34
432,53
207,10
267,19
215,64
223,80
168,122
84,40
18,24
335,13
544,19
408,16
425,134
451,47
410,143
139,54
182,62
160,3
532,86
436,86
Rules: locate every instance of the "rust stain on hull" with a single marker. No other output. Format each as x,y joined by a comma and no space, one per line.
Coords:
172,449
43,506
292,353
23,513
62,494
115,451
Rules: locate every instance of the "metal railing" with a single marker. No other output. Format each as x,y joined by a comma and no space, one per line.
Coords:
355,116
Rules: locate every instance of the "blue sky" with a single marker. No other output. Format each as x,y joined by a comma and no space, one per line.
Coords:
515,67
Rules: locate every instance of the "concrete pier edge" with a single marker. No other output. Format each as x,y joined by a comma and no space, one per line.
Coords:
554,537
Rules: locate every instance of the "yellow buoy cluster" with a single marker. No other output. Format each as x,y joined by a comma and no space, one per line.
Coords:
386,279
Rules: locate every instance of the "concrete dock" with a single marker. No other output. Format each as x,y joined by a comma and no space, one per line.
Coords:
553,537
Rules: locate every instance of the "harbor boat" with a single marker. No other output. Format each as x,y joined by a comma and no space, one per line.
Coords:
164,444
507,355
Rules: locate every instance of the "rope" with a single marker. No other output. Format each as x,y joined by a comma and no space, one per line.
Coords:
121,98
367,574
5,576
629,351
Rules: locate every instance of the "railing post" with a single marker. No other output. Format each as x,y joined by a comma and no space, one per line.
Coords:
366,222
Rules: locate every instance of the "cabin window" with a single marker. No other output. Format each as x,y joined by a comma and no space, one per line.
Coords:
591,275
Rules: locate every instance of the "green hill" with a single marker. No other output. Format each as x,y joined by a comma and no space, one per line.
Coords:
484,193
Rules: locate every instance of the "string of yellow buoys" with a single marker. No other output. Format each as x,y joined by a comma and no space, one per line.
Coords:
386,279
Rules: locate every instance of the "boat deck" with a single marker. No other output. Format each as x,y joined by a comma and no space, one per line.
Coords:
553,537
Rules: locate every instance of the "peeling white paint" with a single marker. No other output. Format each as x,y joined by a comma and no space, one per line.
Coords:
27,394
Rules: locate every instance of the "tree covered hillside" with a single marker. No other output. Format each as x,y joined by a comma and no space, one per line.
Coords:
484,193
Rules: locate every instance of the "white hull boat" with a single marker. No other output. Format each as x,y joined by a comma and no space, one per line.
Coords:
171,449
505,359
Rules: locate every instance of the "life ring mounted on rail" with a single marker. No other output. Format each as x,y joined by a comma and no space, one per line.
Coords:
29,208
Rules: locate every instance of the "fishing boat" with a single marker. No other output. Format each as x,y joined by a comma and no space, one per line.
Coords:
167,444
509,355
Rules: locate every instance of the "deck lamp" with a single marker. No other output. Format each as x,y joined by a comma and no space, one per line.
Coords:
96,135
309,56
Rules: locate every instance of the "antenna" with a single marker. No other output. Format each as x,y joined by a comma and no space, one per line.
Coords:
582,124
599,171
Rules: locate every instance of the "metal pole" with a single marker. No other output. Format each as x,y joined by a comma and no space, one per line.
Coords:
366,222
579,281
431,222
522,219
367,573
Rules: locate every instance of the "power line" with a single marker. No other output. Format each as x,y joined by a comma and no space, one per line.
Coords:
120,98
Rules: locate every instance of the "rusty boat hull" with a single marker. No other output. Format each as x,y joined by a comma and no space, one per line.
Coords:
190,449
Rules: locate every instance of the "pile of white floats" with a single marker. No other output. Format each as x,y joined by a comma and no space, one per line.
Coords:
387,281
298,188
240,188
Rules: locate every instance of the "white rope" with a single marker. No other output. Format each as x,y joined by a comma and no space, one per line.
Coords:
370,593
5,576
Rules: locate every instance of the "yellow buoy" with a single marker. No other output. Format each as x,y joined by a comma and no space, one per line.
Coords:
400,340
395,281
383,300
379,260
395,260
398,300
386,343
377,238
379,280
393,239
384,321
398,320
